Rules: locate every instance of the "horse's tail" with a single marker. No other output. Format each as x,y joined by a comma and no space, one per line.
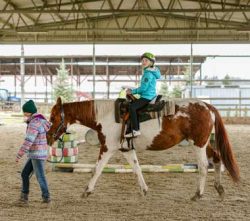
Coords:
224,147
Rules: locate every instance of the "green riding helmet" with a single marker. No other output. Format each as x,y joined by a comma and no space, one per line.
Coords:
149,56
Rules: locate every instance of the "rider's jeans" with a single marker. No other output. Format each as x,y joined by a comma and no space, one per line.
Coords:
133,108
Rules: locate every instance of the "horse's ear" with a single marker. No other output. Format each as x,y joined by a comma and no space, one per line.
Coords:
59,101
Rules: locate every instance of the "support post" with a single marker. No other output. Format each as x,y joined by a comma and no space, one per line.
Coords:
108,79
201,74
22,72
191,71
94,71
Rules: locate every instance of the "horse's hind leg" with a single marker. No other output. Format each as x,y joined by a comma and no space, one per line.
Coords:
217,170
97,172
217,183
133,161
202,167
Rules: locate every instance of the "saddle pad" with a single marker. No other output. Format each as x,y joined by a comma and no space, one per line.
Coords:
169,108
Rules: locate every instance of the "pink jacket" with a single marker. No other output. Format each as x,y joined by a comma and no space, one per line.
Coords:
35,143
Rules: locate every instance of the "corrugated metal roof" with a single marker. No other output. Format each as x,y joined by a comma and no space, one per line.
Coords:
120,21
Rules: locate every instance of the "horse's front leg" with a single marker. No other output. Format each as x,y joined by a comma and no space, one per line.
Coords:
133,161
102,161
202,167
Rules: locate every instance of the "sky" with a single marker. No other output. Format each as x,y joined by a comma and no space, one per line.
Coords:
214,66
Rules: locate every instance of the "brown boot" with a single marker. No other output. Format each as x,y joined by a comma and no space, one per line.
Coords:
24,198
46,200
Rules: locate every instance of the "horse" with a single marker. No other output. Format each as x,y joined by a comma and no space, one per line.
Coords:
193,121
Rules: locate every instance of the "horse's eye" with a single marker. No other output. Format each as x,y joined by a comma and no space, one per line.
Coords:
52,119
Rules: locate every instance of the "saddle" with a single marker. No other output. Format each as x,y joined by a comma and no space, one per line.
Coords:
122,105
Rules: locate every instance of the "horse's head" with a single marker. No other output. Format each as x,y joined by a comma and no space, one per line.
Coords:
57,120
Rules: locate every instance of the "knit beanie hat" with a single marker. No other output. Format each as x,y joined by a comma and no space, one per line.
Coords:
29,107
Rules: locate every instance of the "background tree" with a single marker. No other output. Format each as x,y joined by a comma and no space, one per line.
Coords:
176,93
187,76
226,80
164,89
62,87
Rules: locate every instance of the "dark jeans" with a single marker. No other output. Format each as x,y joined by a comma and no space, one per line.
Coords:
38,167
133,108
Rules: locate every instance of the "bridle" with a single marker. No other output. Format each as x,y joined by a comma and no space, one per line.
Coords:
61,125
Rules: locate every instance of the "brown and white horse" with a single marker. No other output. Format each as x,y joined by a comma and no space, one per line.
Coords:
193,121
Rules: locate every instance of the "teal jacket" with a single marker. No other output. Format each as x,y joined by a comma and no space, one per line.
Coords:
147,87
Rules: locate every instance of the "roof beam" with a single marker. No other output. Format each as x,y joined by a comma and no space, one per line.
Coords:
128,16
116,21
174,16
122,11
6,22
54,25
226,3
8,2
23,31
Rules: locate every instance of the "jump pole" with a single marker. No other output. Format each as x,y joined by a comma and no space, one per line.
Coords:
114,168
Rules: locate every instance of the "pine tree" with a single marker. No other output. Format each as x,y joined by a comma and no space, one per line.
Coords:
226,80
164,89
176,93
62,87
187,76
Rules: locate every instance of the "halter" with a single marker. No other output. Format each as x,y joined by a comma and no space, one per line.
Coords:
61,125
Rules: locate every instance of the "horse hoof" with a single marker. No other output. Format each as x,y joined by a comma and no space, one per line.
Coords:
144,192
220,191
196,197
86,193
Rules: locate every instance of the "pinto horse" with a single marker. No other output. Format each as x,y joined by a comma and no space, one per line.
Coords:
193,121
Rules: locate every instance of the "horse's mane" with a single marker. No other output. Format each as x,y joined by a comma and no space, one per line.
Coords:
102,107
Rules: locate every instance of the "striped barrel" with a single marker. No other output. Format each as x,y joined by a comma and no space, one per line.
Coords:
71,159
66,150
66,144
68,137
